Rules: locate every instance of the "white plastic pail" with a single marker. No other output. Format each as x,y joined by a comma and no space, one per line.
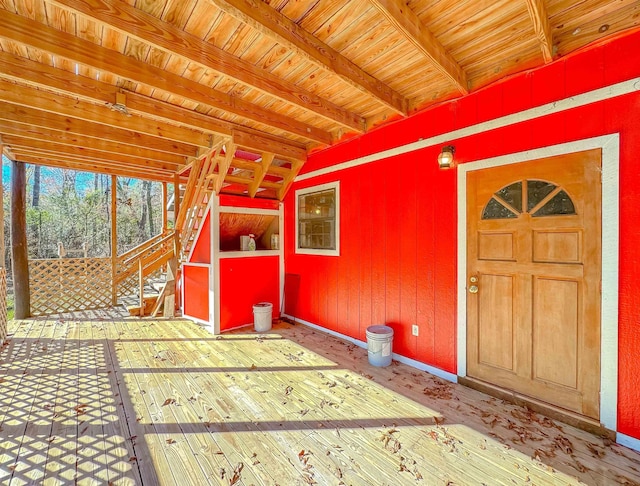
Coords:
379,345
262,315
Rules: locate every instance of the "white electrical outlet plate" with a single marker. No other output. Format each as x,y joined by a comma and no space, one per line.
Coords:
414,329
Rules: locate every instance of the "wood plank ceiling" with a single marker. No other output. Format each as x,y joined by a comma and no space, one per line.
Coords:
140,88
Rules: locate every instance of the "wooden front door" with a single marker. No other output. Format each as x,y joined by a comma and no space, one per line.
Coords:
533,279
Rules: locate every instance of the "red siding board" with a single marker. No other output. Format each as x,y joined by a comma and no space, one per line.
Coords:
548,84
202,249
196,292
245,282
409,240
517,93
366,242
619,63
378,245
584,73
395,196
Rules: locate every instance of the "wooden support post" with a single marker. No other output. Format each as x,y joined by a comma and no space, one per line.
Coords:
165,199
19,253
114,242
176,248
3,258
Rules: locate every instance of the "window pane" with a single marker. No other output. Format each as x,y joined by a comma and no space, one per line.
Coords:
495,210
537,191
512,194
316,220
559,204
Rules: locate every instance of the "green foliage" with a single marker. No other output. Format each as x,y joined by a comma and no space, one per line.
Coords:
74,209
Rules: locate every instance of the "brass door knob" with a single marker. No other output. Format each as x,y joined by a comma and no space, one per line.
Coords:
473,289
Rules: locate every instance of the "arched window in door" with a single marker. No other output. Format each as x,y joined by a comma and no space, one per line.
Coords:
542,199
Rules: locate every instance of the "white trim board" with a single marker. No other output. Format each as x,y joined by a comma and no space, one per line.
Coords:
628,441
577,101
610,145
398,357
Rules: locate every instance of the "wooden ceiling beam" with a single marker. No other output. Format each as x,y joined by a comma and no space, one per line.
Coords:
19,68
541,27
260,143
285,31
67,150
159,34
223,166
92,167
38,118
100,114
288,180
258,175
39,36
406,22
53,136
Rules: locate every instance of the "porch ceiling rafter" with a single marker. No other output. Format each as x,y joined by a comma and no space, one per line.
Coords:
72,140
92,166
277,26
82,110
40,36
405,21
52,121
165,36
58,80
541,27
46,146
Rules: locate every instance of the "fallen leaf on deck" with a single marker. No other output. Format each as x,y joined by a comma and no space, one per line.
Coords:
133,459
596,451
308,479
168,401
563,444
253,367
171,441
236,474
288,390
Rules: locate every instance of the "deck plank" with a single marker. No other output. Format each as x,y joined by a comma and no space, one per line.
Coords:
162,401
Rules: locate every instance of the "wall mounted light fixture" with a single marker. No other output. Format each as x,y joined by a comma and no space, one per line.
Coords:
445,159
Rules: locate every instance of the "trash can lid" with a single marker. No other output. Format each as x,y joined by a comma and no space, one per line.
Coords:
380,329
263,304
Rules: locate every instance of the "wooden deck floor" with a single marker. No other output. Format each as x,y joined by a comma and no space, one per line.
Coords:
163,402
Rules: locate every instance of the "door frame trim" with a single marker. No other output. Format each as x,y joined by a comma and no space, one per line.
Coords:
610,145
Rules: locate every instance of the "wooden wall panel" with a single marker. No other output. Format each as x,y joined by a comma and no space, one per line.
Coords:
245,282
382,268
202,250
196,291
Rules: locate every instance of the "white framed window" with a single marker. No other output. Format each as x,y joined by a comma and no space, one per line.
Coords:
318,220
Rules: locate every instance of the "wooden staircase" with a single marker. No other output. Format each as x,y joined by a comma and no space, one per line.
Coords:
137,266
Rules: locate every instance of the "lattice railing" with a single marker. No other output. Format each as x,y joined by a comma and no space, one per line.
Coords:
69,284
3,305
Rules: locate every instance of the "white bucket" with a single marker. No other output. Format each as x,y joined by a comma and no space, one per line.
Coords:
379,345
262,315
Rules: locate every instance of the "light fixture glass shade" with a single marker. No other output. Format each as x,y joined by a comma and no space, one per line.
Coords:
445,158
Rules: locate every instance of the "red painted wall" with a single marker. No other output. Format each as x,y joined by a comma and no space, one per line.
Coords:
398,226
196,292
245,282
202,250
247,202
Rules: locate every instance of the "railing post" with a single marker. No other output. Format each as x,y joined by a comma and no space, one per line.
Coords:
141,286
114,243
